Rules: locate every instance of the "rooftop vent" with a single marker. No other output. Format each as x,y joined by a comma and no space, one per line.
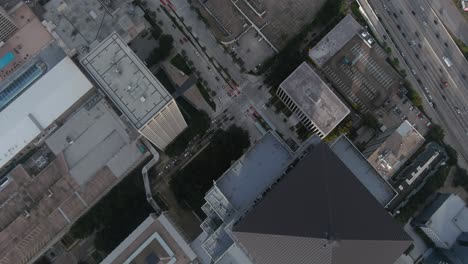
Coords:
142,99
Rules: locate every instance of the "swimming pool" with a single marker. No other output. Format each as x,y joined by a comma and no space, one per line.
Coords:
6,59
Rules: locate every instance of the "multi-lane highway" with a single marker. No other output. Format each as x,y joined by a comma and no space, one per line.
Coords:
421,42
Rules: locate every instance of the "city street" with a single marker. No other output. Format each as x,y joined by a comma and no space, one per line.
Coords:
201,34
420,42
237,99
213,78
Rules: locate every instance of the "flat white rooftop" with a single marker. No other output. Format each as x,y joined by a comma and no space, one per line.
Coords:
316,100
126,80
39,106
335,40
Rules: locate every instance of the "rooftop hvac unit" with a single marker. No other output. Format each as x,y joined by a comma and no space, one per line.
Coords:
69,140
142,99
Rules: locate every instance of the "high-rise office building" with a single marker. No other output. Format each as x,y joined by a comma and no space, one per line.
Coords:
312,101
297,209
135,91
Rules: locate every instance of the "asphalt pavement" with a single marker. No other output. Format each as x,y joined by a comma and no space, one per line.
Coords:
420,42
450,15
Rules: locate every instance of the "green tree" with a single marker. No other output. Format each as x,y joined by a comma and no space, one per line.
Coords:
461,178
370,121
436,133
162,52
190,184
344,128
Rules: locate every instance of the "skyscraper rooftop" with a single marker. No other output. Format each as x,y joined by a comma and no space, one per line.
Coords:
320,213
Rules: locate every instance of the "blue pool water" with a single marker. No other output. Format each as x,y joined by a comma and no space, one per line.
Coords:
6,59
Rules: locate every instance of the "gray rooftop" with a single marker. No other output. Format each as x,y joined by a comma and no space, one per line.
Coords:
254,171
93,138
432,208
357,163
126,80
320,213
82,24
313,96
396,149
335,40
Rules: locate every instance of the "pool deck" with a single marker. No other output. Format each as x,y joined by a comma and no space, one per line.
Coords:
30,38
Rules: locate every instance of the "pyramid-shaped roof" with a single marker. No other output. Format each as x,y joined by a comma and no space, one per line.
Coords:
320,213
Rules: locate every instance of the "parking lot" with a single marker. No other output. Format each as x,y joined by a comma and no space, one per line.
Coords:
397,109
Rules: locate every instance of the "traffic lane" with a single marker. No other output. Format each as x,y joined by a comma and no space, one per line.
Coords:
458,99
453,117
443,45
226,95
448,12
453,134
206,38
415,64
452,137
207,72
420,69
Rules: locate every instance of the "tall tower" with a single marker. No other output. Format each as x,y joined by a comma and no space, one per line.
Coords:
7,25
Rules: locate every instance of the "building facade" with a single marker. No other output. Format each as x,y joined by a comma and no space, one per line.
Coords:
164,126
7,26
